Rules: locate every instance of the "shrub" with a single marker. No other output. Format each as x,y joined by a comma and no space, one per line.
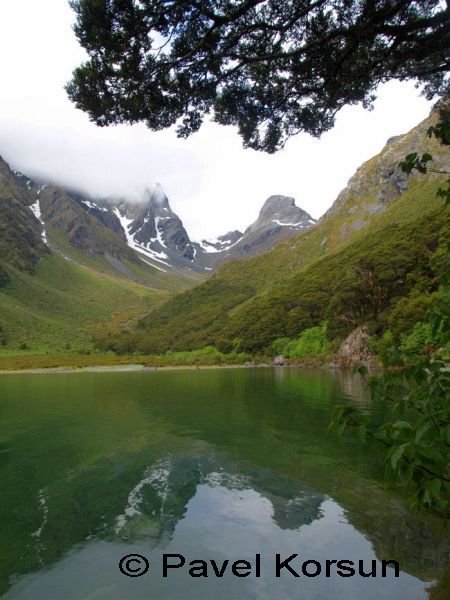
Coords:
408,311
280,344
312,342
420,338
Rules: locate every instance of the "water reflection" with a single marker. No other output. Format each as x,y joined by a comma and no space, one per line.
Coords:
205,508
223,464
160,499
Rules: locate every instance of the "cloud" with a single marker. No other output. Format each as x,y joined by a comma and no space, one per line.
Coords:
212,182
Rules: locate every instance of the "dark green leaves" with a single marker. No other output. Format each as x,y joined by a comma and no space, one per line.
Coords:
270,68
413,161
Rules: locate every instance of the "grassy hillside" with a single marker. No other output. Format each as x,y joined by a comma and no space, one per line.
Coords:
54,309
136,270
299,284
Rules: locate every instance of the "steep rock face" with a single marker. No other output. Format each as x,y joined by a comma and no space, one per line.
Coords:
21,233
379,181
152,228
153,224
83,231
101,210
279,219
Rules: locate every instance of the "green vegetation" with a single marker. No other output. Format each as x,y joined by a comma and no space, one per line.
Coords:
54,309
416,432
208,356
396,259
205,356
312,342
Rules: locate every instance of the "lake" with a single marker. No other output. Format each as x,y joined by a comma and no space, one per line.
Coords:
209,465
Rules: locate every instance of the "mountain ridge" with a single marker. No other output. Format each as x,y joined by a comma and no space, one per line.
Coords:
377,221
144,248
154,231
51,234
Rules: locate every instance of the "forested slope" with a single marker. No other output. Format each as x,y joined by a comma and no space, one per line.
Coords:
379,247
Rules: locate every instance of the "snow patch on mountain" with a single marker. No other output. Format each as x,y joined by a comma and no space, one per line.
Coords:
219,244
299,224
36,209
93,206
126,224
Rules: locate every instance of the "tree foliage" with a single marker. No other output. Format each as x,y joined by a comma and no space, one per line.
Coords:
416,435
270,68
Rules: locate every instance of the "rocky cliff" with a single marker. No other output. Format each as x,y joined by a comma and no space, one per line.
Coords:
379,181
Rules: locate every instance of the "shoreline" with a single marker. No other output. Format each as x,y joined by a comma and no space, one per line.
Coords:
103,363
131,368
141,368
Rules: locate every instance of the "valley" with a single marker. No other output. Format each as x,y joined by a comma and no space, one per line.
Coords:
82,275
373,260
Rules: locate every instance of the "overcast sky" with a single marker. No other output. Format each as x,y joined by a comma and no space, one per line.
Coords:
211,181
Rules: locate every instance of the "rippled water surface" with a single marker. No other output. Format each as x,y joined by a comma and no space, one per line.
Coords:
210,464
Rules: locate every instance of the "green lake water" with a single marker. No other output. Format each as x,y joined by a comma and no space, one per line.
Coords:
210,464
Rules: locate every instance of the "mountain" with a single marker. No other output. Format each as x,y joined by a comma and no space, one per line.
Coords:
374,258
69,262
279,219
56,242
66,266
148,230
153,229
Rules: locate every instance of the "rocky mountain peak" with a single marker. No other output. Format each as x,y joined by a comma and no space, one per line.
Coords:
281,211
157,198
277,203
151,226
279,219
